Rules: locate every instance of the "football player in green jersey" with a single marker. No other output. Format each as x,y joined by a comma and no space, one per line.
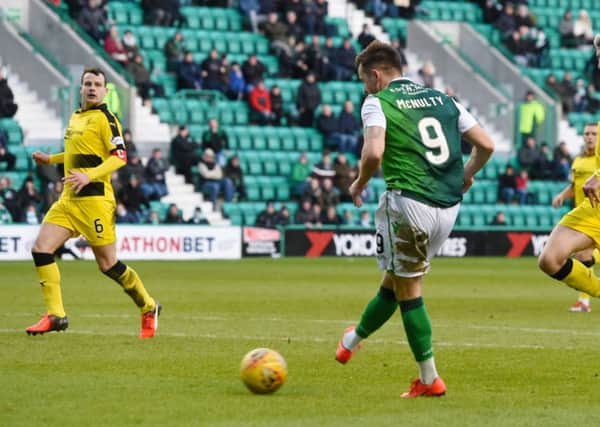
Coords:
414,133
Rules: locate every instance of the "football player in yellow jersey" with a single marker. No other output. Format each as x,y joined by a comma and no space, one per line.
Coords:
578,230
582,168
94,148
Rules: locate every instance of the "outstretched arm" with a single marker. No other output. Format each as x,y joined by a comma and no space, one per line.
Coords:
42,158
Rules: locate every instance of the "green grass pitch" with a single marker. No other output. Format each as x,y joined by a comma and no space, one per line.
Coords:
508,349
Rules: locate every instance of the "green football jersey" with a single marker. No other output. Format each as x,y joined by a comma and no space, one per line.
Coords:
422,153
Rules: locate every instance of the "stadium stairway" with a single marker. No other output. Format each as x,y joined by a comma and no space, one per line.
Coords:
356,18
187,200
147,126
40,124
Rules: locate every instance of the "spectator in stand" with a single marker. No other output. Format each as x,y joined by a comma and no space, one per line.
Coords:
93,19
395,43
277,105
132,197
305,214
162,12
427,74
543,168
507,185
582,29
566,27
328,125
313,191
28,195
130,45
529,155
198,217
259,100
567,92
8,108
268,6
324,168
344,175
344,61
300,176
365,219
10,198
294,28
593,97
328,66
269,217
5,216
318,211
506,22
173,215
153,218
183,153
491,11
233,171
130,146
133,167
561,161
320,13
31,215
531,115
580,99
123,216
276,31
141,77
52,194
348,129
308,99
114,47
189,73
523,16
552,86
253,70
216,139
331,217
236,84
250,9
7,157
174,50
329,196
212,69
499,219
155,186
517,46
348,218
522,182
284,218
366,36
212,180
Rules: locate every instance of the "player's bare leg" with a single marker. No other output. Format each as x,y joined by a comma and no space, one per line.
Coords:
49,239
555,260
127,277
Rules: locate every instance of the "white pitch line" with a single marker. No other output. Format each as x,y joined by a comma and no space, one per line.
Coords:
217,318
279,338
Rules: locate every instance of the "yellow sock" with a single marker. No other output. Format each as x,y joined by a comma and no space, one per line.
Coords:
49,276
581,278
584,297
132,285
596,256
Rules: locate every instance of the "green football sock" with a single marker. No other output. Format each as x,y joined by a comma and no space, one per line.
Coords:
417,327
377,312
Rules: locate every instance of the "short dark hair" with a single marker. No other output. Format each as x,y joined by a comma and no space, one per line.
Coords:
95,71
379,54
591,124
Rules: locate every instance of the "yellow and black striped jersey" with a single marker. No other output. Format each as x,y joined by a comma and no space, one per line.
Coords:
90,138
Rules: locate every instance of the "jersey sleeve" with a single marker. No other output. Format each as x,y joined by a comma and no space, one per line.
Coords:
372,113
465,119
111,134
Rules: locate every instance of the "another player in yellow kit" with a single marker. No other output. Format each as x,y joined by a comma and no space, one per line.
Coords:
578,230
582,168
94,148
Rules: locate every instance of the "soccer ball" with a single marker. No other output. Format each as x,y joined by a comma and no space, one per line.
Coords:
263,370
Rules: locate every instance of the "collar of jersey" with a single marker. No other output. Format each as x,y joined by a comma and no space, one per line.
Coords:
97,107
